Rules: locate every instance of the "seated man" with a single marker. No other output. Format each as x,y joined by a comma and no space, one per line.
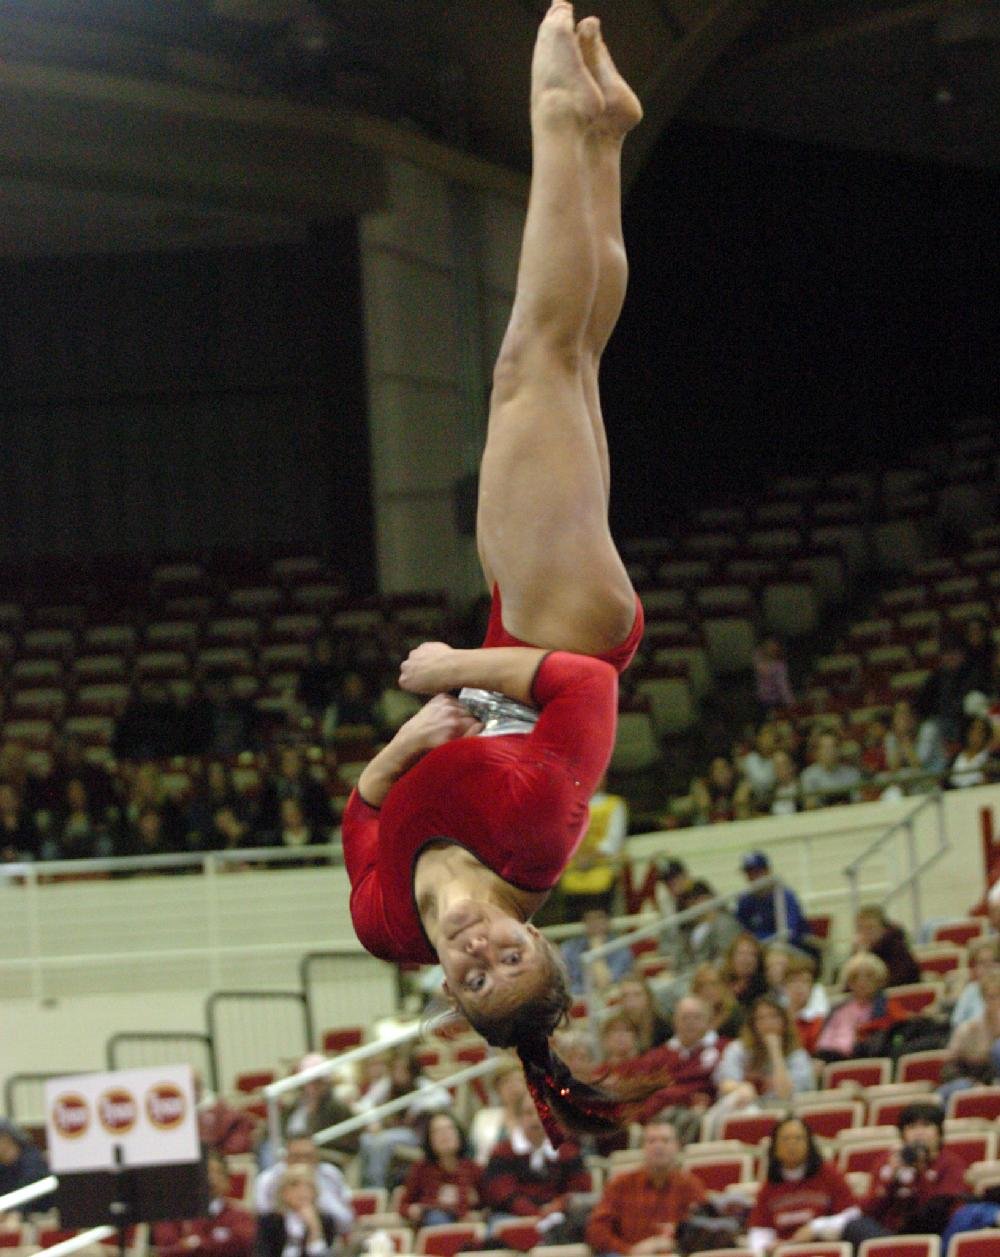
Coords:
755,907
227,1230
333,1196
228,1130
525,1176
915,1189
639,1211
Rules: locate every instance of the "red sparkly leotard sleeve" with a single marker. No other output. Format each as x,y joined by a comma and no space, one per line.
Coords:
518,802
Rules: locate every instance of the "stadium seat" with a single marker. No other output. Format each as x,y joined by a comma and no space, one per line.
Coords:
862,1155
939,959
636,746
827,1120
961,933
519,1234
915,997
886,1111
369,1200
813,1248
671,703
971,1145
902,1246
866,1072
730,642
975,1102
974,1244
921,1066
342,1039
448,1238
748,1128
719,1170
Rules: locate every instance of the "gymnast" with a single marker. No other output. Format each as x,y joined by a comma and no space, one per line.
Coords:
462,824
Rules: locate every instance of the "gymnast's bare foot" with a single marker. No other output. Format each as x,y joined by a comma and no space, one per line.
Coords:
561,84
622,110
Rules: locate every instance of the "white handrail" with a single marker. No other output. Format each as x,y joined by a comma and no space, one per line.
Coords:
83,1240
31,1191
31,869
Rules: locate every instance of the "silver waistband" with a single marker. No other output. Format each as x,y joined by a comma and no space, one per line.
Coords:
498,713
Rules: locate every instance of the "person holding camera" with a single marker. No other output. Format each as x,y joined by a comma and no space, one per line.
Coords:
915,1188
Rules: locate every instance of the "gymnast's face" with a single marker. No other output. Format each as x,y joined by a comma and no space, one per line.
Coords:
486,954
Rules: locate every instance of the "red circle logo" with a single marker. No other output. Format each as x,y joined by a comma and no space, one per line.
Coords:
166,1107
117,1110
70,1115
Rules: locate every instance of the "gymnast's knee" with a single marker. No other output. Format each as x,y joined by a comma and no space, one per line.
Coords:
531,355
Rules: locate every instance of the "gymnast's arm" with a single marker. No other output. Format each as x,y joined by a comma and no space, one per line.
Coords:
435,667
441,720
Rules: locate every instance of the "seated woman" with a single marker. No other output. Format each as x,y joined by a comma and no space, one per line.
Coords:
970,767
638,1004
495,1122
983,956
444,1186
974,1046
805,999
864,1012
378,1143
296,1228
799,1186
766,1063
743,969
726,1016
720,795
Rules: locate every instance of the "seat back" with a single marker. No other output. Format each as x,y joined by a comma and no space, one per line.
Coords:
974,1244
921,1066
872,1072
902,1246
975,1102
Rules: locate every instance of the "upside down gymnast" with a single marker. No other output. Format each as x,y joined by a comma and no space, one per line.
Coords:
462,824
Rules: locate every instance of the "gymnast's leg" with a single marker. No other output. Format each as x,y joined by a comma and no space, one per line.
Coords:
542,526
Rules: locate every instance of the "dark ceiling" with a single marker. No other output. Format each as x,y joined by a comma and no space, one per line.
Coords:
139,123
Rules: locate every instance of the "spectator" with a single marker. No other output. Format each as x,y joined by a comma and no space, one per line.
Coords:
774,689
805,999
974,1046
227,1229
378,1143
214,792
983,955
863,1013
319,683
829,780
494,1123
446,1184
777,957
227,832
765,1063
590,877
75,833
145,835
639,1210
19,836
970,765
315,1108
232,720
606,970
912,748
301,1155
786,797
298,1225
69,764
710,936
874,932
677,881
743,969
720,795
146,791
292,780
757,766
725,1014
20,1164
689,1059
295,831
915,1189
798,1188
755,908
619,1041
942,695
526,1177
222,1128
637,1002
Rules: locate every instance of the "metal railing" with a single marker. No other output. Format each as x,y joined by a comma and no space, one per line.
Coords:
915,865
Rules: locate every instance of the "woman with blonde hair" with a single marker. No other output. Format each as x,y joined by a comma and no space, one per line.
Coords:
864,1012
296,1227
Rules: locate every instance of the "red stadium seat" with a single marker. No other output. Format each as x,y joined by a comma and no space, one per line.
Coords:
974,1244
975,1102
915,997
721,1169
748,1128
921,1066
972,1146
860,1157
829,1119
519,1234
369,1200
448,1238
253,1080
866,1072
903,1246
342,1039
961,933
814,1248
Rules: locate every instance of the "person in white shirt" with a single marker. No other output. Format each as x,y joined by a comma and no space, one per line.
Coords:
333,1196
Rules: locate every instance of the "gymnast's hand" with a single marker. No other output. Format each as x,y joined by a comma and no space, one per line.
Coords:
429,669
441,720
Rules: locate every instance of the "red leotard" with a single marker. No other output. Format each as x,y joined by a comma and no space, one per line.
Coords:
517,802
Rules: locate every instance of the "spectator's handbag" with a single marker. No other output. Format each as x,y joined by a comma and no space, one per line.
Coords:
704,1230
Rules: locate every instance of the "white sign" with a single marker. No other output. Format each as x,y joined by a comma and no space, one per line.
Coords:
148,1113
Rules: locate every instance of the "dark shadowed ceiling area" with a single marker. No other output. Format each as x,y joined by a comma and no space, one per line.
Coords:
129,124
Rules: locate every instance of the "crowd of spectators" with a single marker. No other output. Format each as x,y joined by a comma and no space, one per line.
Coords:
948,734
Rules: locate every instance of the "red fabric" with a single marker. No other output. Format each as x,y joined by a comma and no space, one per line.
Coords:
510,1185
632,1208
787,1206
619,658
892,1203
808,1030
229,1234
424,1183
689,1073
518,802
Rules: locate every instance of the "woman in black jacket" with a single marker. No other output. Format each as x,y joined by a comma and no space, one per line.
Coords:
296,1228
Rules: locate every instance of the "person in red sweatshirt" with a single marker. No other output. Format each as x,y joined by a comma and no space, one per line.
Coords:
227,1230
